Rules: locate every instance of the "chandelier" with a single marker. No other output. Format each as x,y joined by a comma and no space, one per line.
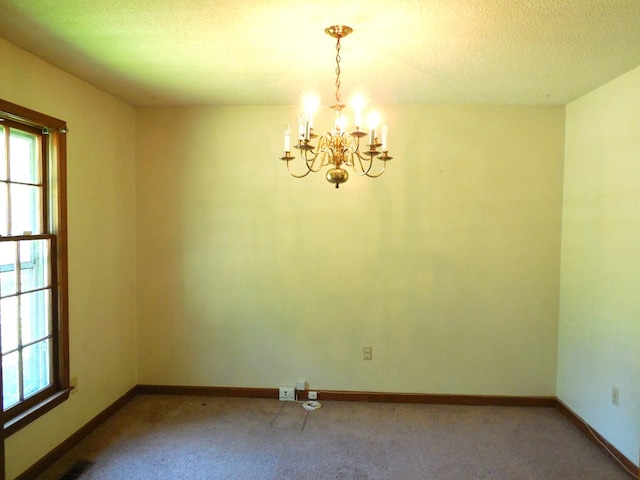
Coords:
338,148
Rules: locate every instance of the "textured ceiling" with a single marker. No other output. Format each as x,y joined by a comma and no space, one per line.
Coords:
260,52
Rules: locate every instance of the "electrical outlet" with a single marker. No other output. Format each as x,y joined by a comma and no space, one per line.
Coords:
288,394
615,396
312,395
367,353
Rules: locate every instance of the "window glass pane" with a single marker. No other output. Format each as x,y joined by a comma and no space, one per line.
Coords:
4,225
34,264
3,154
25,209
32,215
10,379
8,268
37,368
35,316
9,315
23,157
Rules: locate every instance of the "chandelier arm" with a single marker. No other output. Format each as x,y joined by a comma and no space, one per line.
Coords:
295,175
363,171
352,150
366,173
326,150
376,175
327,155
310,162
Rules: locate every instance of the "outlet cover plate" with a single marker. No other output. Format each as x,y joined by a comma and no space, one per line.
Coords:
367,353
287,394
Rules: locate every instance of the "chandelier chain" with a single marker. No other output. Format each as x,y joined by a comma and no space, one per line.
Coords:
338,58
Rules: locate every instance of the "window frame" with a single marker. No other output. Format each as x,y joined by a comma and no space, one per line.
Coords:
54,150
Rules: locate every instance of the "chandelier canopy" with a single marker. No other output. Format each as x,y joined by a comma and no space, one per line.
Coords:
338,148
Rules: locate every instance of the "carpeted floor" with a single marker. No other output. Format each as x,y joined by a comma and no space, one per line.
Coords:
184,437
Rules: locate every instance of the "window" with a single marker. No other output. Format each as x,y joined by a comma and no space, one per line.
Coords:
33,270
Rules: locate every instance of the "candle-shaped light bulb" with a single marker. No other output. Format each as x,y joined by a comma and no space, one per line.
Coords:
287,138
311,104
301,126
383,131
358,103
337,123
373,123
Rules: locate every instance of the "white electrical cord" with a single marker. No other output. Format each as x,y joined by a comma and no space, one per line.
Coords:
611,454
311,405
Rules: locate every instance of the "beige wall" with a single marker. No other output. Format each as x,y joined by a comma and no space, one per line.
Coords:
448,265
101,222
599,340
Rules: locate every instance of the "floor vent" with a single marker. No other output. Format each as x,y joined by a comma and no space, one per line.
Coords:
77,470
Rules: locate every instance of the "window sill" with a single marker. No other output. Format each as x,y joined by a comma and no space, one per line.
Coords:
22,420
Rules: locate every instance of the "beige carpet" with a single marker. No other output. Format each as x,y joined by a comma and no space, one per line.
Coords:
184,437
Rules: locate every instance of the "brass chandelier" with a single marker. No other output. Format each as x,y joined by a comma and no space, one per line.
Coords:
337,148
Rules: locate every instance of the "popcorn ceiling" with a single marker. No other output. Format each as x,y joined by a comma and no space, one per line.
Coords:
258,52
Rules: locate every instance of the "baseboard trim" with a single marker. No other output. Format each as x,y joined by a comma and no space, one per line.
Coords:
436,399
207,391
330,395
348,396
598,439
54,455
